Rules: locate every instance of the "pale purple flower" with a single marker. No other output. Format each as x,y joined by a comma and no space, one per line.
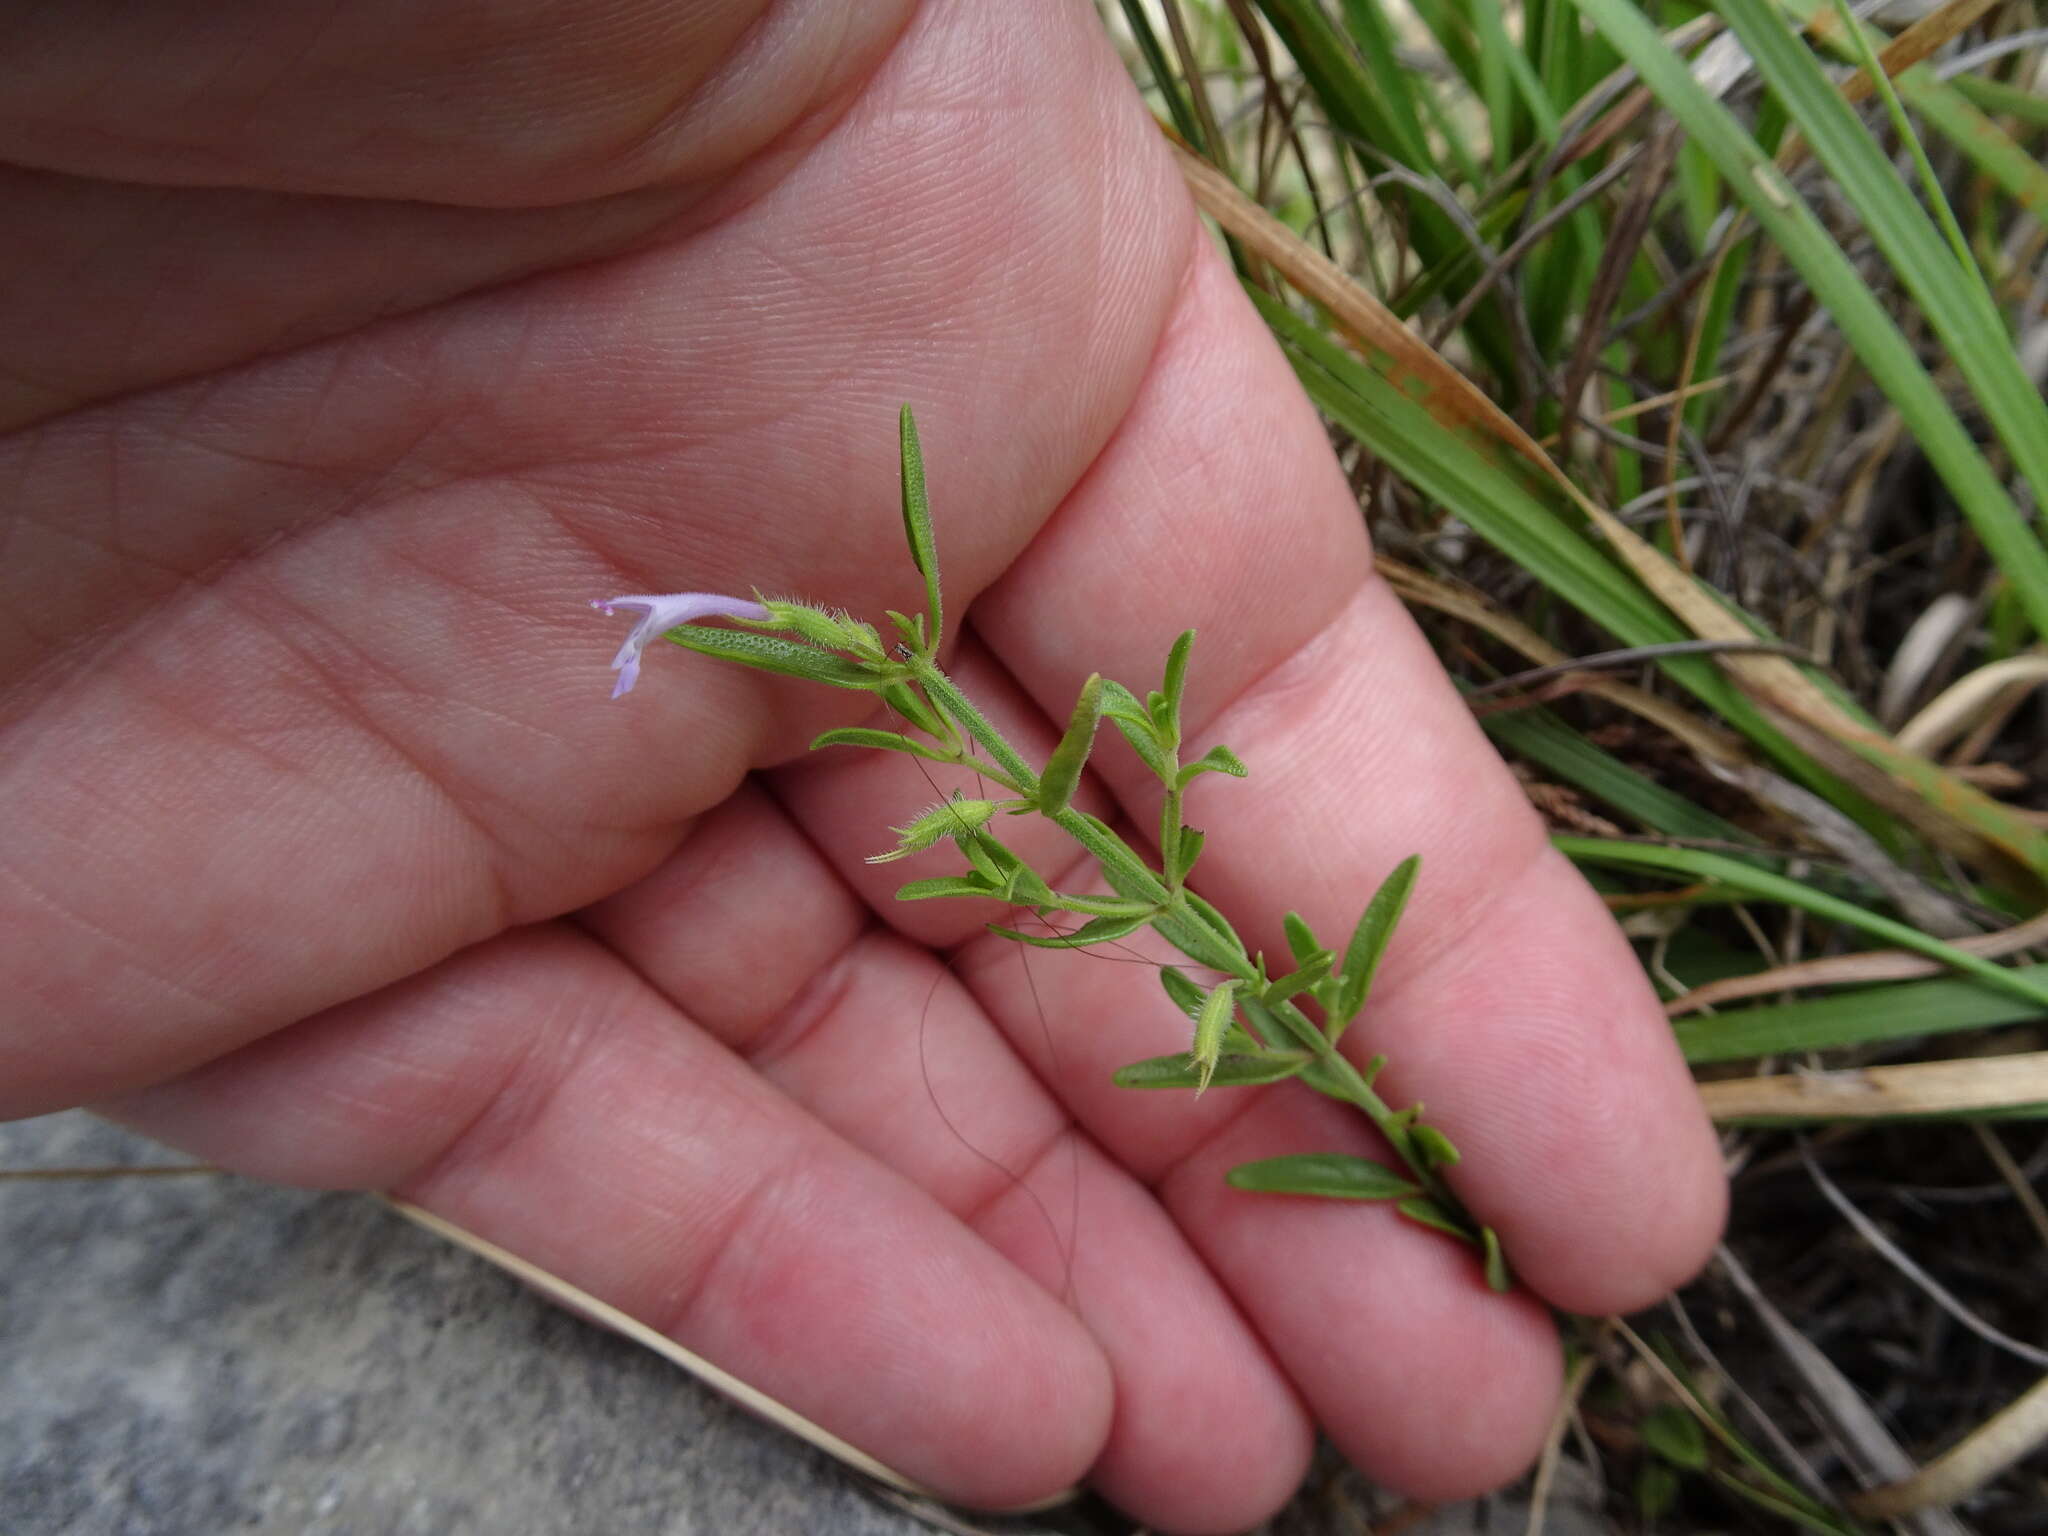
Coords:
663,614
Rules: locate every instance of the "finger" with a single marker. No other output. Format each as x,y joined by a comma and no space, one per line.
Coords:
516,104
161,283
1509,1003
308,643
1476,1376
1419,1373
885,1048
535,1093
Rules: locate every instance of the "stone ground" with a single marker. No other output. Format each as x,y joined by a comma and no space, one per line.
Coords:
193,1355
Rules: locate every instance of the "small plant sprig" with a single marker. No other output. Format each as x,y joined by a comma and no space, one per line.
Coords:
1250,1027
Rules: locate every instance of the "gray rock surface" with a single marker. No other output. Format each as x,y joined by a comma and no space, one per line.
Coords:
188,1355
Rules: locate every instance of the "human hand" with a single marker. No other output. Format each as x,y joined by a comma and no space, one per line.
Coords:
365,349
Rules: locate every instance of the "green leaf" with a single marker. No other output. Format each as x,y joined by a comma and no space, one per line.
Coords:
772,653
1128,715
883,741
1187,997
1498,1276
1160,713
944,885
1330,1175
917,526
1063,769
1675,1435
1327,1080
1656,1490
1301,939
1435,1147
1230,1071
1280,1021
1186,849
1023,887
1369,942
1099,930
1218,759
1218,923
1426,1212
904,699
1296,982
1174,685
1008,876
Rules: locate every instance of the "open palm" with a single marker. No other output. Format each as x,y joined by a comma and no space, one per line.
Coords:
358,351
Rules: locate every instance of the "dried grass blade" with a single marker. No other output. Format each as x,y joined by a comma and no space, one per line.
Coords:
1853,970
1420,589
1969,1086
2016,1431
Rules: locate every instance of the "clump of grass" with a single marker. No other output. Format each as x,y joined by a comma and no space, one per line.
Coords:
1707,345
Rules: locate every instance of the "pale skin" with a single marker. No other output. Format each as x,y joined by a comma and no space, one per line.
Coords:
354,353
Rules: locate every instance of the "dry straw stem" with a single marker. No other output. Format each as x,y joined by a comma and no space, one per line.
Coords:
1553,1443
576,1299
1996,1444
1969,1085
1849,970
1910,47
1419,589
1966,700
1872,1451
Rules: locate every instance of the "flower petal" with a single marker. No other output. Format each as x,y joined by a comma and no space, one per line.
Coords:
663,612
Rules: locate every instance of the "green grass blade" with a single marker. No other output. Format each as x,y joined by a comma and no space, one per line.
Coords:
1769,886
1951,295
1544,739
1464,474
1903,1010
1350,96
1859,314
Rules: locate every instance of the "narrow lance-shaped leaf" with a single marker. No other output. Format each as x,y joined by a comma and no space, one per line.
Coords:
1098,930
1228,1071
1435,1148
1128,716
917,526
1301,939
1218,759
771,653
1302,980
1007,875
881,741
1174,685
944,885
1063,770
1427,1212
1330,1175
1217,922
1280,1021
902,698
1498,1276
1187,997
1369,942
